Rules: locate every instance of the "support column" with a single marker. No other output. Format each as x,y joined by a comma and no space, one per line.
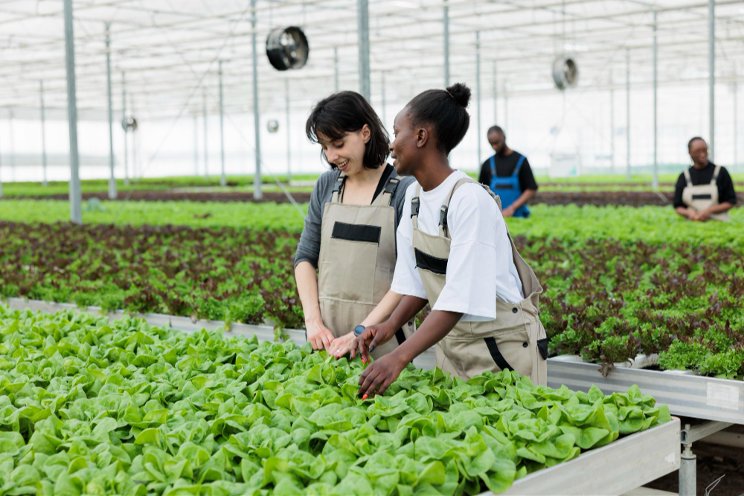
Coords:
11,155
74,188
445,22
627,113
655,180
257,193
289,134
495,96
112,178
223,178
478,93
736,120
126,132
335,70
206,132
44,180
384,99
711,79
363,33
612,128
196,144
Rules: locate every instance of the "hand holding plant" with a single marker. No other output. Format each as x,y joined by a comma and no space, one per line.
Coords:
379,375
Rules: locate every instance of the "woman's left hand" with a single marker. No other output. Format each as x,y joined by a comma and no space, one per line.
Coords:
341,345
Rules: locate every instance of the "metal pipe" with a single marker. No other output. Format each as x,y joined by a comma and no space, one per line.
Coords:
335,70
627,113
257,193
445,21
1,168
736,120
711,78
363,34
112,178
74,188
126,132
495,96
223,179
11,154
289,134
612,128
206,132
478,92
384,99
44,181
196,144
655,180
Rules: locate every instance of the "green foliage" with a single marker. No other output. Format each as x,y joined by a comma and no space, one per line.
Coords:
88,406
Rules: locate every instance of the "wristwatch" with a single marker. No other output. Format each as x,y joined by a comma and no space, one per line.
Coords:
358,330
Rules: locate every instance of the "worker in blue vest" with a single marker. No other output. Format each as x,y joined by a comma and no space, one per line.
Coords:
509,175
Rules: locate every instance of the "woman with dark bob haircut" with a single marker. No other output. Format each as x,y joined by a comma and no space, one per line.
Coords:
455,253
346,256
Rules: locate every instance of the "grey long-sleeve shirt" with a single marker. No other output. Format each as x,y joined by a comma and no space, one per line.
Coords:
308,248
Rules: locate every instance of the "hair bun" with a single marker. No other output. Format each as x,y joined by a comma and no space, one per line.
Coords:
460,93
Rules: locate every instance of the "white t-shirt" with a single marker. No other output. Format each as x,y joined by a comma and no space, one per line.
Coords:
480,267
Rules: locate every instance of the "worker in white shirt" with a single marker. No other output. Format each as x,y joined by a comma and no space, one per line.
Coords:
454,252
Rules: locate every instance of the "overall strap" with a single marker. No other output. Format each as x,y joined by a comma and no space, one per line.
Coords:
337,188
492,161
716,171
519,165
390,187
688,180
443,229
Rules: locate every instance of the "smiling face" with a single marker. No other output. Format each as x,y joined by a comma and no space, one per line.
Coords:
347,152
404,149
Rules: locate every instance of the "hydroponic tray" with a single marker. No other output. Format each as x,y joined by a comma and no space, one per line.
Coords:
687,395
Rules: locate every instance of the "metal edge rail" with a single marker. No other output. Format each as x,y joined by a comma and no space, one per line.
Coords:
617,468
693,396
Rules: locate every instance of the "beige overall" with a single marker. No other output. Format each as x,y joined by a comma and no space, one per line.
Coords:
357,261
515,340
703,196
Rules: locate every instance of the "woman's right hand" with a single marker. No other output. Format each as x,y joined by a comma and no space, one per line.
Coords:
318,335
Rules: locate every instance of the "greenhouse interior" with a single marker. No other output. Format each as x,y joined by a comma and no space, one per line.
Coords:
394,247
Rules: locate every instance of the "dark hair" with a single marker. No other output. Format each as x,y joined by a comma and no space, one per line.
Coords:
445,110
346,112
693,140
496,129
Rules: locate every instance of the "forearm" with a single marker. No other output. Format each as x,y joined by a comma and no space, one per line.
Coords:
683,211
406,309
526,196
436,325
383,309
720,208
307,288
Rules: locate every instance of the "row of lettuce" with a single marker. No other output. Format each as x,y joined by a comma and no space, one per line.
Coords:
94,407
615,287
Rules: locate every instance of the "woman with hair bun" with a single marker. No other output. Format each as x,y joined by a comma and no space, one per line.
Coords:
454,252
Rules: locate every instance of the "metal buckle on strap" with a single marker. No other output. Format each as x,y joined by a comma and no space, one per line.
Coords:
415,204
443,216
339,183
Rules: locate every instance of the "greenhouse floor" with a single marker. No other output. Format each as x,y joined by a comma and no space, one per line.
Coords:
713,461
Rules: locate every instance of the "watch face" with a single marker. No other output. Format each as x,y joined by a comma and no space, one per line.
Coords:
358,330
